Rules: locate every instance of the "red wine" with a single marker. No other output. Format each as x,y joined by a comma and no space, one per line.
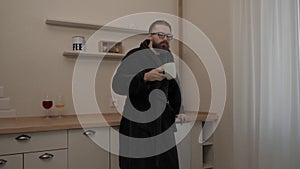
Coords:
47,104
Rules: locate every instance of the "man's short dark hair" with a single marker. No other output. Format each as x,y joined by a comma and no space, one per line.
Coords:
159,22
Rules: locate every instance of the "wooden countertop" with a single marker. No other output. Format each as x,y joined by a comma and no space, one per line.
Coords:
38,124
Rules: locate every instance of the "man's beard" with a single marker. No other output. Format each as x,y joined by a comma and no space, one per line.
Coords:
162,45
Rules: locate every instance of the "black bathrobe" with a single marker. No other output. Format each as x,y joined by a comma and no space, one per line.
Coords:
162,111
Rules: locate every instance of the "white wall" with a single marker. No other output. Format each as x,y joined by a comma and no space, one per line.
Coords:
214,18
31,62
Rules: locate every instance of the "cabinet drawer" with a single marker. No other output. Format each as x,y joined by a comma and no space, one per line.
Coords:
11,162
29,142
46,160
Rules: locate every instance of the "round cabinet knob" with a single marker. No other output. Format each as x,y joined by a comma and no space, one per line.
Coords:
23,137
46,156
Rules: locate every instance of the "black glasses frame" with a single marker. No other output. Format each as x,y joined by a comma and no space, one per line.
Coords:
162,35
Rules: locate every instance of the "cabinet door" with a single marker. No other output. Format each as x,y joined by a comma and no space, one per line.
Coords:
196,147
183,138
183,147
11,162
46,160
84,152
114,142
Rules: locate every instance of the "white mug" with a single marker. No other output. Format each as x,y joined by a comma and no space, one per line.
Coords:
170,70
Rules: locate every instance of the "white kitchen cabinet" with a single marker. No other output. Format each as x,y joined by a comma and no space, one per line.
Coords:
46,160
196,146
183,148
183,138
114,142
83,152
34,150
193,154
208,145
190,150
11,162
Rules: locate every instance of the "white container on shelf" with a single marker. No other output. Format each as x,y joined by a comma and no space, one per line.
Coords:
5,103
11,113
1,91
78,43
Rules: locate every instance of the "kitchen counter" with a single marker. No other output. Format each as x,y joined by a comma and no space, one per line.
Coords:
38,124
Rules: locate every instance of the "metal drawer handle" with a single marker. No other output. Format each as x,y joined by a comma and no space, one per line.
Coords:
46,156
2,162
23,138
89,133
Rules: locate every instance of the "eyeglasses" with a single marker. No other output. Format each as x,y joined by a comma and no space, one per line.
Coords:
162,35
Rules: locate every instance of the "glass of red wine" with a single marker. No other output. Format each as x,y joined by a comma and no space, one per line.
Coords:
47,104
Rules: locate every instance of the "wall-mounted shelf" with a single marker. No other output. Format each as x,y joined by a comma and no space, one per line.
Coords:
74,24
110,56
